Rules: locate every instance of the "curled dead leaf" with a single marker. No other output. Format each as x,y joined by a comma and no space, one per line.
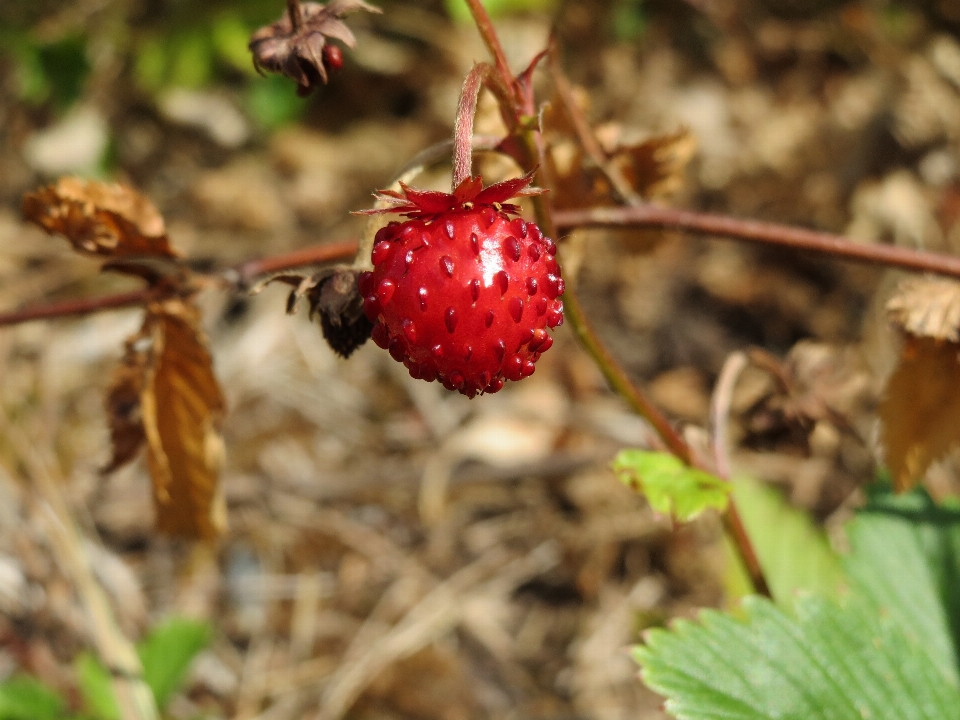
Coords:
122,404
921,408
165,394
182,409
655,167
927,307
99,218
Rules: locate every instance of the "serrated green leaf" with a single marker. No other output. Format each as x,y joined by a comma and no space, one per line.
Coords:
905,561
167,652
828,662
793,552
26,698
671,487
96,686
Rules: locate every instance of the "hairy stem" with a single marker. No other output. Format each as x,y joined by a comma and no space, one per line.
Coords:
463,127
766,233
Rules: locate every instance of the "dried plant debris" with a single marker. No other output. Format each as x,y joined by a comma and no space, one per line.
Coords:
297,45
927,308
99,218
165,394
655,167
334,297
921,407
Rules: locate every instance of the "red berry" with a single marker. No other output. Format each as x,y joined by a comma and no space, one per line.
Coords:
332,56
461,292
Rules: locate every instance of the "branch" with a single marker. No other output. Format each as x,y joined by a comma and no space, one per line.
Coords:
239,276
765,233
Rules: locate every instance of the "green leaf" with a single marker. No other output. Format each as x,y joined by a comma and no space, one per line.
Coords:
167,652
96,686
25,698
905,562
670,486
828,662
793,552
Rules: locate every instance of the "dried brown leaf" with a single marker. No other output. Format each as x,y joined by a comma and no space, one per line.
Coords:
921,408
99,218
655,167
123,405
927,307
182,409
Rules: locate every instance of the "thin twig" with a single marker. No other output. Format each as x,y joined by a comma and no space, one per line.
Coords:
766,233
239,276
619,380
585,134
296,14
75,308
720,410
490,39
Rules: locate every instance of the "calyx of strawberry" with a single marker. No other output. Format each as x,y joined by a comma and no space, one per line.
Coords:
468,195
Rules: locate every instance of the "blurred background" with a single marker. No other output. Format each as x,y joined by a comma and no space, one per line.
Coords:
395,550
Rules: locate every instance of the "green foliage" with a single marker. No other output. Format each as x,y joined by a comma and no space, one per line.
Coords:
167,652
906,564
670,486
273,102
828,662
23,698
95,687
52,72
888,651
629,20
459,11
793,552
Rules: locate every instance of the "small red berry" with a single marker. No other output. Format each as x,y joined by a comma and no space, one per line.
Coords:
462,292
332,57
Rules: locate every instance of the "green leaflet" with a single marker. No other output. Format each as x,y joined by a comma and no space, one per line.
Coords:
829,663
888,651
671,487
792,550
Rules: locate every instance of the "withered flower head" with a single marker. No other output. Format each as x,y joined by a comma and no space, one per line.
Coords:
296,45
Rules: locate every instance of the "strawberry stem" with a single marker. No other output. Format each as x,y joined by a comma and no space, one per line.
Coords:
296,14
463,127
490,39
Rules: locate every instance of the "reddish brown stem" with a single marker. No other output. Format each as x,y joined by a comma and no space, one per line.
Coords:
316,254
734,525
74,308
244,273
490,39
463,127
619,380
765,233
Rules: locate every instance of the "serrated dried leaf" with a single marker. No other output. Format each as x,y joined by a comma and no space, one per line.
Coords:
99,218
655,168
122,404
182,407
927,307
921,408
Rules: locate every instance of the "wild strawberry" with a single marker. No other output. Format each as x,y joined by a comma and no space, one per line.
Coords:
461,292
